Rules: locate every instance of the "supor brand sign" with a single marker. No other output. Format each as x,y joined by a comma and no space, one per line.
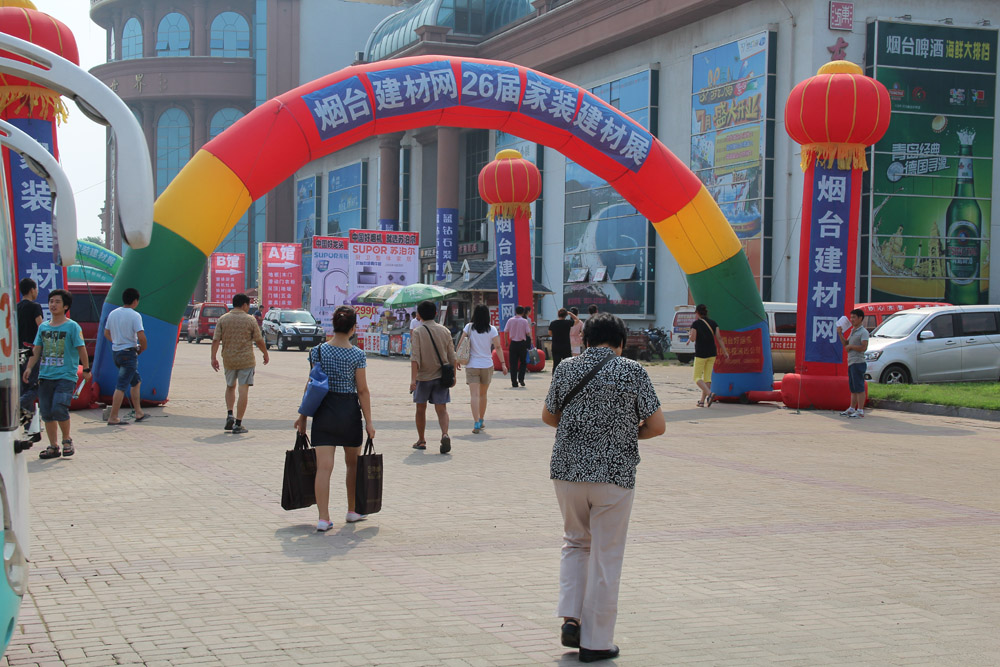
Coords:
330,265
926,233
380,257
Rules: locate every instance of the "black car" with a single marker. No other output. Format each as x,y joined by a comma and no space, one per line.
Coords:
284,328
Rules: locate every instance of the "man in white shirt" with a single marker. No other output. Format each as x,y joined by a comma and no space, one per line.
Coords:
414,320
128,340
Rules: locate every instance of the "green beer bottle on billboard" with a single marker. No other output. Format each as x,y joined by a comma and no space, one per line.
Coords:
963,228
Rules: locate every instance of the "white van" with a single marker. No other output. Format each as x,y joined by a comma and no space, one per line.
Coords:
780,322
940,344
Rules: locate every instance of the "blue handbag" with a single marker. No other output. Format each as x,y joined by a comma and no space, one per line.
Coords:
316,389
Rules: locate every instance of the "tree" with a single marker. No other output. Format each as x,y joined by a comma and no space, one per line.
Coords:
94,239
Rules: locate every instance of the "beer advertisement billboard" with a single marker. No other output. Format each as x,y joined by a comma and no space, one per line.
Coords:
926,236
732,116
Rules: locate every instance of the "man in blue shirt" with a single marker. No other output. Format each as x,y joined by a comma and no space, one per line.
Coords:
128,340
60,349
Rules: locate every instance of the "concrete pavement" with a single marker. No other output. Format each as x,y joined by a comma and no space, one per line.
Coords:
759,536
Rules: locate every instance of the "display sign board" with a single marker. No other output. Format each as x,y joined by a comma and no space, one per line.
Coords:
226,276
31,219
926,233
380,257
280,275
331,262
841,15
732,117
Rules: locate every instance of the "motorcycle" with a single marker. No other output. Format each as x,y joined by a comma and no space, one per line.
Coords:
657,342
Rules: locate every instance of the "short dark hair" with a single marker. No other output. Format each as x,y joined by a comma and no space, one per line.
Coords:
562,313
574,310
592,309
604,328
130,295
857,311
67,298
527,309
240,299
701,309
519,310
26,285
344,319
427,310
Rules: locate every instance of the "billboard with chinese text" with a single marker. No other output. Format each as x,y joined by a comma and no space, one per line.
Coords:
732,116
280,275
331,262
380,257
226,276
926,232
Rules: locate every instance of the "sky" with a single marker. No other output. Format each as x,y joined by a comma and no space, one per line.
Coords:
82,141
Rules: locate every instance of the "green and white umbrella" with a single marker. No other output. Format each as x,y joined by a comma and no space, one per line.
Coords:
413,294
378,294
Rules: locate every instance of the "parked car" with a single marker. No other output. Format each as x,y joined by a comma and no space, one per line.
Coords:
88,302
939,344
201,323
182,332
284,328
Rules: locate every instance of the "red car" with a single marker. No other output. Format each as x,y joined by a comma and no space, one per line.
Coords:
201,324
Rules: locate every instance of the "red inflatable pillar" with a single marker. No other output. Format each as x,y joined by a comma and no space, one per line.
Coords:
33,109
509,184
835,115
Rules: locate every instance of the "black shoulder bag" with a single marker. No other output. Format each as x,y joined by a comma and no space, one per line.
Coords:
447,380
584,381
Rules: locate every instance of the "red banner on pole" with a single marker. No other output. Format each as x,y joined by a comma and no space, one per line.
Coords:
281,275
226,276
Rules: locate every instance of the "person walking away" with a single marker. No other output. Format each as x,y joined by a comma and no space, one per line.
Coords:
575,333
705,334
59,348
855,341
601,405
237,332
591,310
518,330
560,330
29,317
427,342
128,340
337,422
483,339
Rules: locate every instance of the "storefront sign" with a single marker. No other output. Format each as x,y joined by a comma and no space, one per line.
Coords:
841,15
330,265
376,258
447,239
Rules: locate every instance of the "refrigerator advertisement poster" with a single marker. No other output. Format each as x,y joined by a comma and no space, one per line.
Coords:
380,257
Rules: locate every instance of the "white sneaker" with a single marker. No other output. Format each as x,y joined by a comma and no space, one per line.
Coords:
857,414
323,526
354,517
848,412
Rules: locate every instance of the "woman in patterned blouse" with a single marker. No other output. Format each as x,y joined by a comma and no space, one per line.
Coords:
593,468
338,419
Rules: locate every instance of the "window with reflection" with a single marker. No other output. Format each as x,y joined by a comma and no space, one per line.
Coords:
173,146
173,36
132,39
230,36
222,119
347,196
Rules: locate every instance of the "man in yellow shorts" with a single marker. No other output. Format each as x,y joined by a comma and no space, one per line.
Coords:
705,334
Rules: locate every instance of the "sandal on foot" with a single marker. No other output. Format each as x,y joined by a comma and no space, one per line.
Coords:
700,404
420,444
709,400
570,634
50,452
120,422
139,419
68,447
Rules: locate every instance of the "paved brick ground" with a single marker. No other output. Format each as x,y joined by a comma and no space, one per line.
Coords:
759,536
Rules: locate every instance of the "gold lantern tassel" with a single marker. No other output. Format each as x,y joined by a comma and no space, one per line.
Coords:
846,156
508,210
42,102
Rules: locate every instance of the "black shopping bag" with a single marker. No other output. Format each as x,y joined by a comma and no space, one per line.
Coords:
368,490
299,487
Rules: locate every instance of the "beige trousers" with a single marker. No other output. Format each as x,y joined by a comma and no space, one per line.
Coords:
595,525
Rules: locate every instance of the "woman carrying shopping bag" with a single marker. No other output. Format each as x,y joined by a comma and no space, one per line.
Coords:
482,337
337,421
